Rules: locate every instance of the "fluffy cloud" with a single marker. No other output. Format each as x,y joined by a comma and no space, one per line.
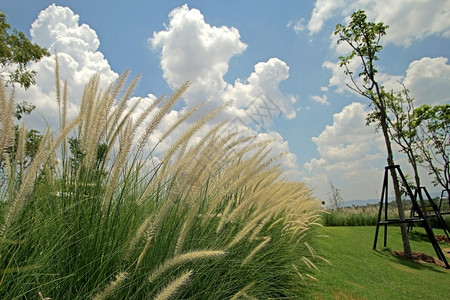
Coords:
322,12
193,50
261,89
321,99
347,150
58,29
408,20
348,138
427,79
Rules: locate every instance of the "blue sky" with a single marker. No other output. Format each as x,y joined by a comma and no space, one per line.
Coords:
278,53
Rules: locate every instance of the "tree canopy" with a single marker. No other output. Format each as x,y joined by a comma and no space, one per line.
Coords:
16,52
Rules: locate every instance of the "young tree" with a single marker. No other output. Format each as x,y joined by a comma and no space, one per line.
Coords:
334,196
433,142
363,37
16,51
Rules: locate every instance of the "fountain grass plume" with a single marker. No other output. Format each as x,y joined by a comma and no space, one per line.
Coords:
183,258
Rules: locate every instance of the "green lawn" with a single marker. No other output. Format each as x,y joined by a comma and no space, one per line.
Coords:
358,272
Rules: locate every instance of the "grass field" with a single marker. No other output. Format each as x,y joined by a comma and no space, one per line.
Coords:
358,272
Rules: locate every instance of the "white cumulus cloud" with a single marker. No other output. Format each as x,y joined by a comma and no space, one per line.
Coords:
408,20
57,28
322,12
193,50
321,99
347,150
428,80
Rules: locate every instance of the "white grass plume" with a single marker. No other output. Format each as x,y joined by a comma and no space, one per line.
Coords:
111,287
16,205
6,119
172,288
183,258
243,291
256,250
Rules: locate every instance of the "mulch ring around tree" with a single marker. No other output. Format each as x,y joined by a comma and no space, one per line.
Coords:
421,257
442,238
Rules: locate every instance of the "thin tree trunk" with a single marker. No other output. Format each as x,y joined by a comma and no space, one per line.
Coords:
398,196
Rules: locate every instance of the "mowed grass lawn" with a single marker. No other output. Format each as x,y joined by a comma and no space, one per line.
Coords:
358,272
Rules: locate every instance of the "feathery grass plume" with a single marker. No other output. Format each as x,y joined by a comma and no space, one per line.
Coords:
189,133
183,258
41,296
271,194
142,117
15,206
95,125
145,226
65,100
314,254
251,224
58,82
117,113
208,154
11,178
196,169
161,113
253,203
64,117
167,166
112,124
250,168
86,108
111,287
236,176
172,288
118,168
199,148
266,240
299,274
194,204
243,291
311,277
161,175
60,100
19,160
149,226
179,121
6,120
100,105
143,253
62,106
193,212
309,263
259,228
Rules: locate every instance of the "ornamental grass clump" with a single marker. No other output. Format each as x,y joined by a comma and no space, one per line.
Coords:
99,213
